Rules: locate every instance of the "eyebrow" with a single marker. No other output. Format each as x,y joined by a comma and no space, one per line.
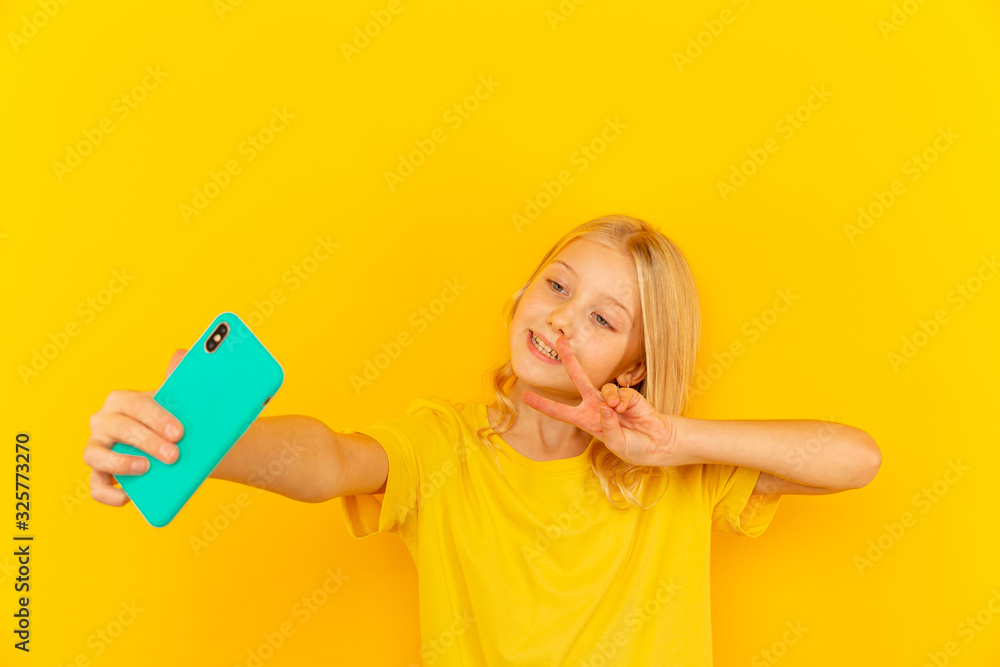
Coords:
611,298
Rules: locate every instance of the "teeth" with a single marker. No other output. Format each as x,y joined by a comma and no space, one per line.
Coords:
543,347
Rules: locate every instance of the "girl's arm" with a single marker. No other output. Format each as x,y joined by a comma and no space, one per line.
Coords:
301,458
796,456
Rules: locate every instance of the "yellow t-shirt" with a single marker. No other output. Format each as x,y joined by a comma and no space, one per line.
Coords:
539,568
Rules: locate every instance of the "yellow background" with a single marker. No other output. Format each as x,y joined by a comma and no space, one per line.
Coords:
323,175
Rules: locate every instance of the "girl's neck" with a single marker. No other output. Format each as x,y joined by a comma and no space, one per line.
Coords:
540,437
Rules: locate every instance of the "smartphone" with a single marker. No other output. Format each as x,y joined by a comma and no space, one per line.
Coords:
216,392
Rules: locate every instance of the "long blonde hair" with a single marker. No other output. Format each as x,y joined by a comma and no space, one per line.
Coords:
671,330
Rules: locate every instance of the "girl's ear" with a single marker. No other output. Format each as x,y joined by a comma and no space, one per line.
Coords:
633,375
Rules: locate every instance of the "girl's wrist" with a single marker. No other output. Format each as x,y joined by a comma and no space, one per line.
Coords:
671,444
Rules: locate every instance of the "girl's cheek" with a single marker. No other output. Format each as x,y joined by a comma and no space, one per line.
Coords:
532,303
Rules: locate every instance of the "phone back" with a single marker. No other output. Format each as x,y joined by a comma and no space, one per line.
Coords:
216,396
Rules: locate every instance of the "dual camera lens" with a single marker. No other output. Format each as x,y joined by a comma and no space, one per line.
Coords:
217,336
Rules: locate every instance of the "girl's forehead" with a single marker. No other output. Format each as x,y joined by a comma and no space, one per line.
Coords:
594,255
614,268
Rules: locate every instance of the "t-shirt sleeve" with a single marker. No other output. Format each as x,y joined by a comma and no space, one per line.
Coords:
726,491
414,443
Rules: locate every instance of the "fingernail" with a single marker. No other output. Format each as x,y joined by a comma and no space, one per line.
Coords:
168,452
141,465
173,431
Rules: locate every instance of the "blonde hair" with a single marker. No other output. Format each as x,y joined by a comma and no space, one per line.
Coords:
671,330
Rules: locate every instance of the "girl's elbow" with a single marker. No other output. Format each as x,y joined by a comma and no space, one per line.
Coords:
872,458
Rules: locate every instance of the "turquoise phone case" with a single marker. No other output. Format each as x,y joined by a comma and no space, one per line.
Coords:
216,396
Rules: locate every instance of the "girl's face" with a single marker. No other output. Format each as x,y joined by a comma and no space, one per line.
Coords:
575,295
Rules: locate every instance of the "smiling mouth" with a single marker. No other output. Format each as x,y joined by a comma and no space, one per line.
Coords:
542,349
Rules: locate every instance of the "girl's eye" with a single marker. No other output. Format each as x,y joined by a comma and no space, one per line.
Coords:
606,324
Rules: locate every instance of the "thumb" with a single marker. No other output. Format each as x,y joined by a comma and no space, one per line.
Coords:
613,437
174,360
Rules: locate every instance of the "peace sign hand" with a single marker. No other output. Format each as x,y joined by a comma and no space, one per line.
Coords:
633,429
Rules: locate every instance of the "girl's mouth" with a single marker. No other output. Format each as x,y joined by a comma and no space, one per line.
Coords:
539,352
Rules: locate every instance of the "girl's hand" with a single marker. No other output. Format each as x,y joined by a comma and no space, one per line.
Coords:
634,430
132,418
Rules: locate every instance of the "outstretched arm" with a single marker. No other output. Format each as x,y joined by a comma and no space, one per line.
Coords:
301,458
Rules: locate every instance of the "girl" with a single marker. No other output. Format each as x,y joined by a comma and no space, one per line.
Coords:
567,522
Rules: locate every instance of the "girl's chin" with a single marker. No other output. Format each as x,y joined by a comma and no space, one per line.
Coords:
541,382
533,371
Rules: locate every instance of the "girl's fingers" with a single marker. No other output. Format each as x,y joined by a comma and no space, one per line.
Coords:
133,418
575,370
611,395
109,428
629,397
613,438
141,407
105,460
619,398
102,489
549,407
